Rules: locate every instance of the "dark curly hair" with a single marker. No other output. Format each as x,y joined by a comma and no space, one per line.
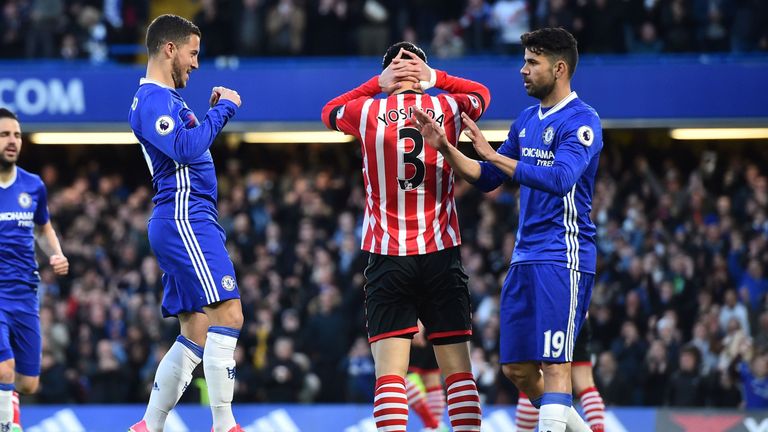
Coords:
557,43
394,49
169,28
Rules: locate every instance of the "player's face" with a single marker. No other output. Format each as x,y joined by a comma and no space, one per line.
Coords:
185,61
10,141
538,75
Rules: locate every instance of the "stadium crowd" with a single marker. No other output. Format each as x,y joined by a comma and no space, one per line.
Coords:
679,311
113,30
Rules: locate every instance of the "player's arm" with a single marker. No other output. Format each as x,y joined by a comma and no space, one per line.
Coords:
456,85
331,110
483,175
160,125
579,144
49,243
497,165
45,235
466,167
429,78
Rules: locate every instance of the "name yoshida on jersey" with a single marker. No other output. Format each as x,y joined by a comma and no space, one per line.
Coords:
176,147
558,152
410,207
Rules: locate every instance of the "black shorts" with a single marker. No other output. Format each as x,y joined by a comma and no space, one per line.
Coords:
582,348
423,359
403,289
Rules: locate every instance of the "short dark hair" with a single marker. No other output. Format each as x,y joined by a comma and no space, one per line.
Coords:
394,49
556,43
169,28
6,113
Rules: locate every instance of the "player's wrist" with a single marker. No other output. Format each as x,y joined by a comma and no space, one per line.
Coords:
425,85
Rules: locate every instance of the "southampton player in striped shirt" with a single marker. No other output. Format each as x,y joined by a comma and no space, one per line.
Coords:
552,150
199,279
23,219
411,229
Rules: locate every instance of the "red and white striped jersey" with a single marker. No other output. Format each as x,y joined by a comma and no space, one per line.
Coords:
410,208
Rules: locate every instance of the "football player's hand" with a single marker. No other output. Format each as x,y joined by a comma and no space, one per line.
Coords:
60,264
433,134
396,72
482,147
227,94
215,95
417,65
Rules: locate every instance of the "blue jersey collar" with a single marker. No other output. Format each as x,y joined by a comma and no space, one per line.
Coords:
558,106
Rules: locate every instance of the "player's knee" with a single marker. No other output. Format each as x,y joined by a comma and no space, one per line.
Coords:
227,314
7,373
27,386
556,371
521,375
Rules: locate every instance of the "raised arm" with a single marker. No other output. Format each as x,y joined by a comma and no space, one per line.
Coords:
159,125
466,167
331,109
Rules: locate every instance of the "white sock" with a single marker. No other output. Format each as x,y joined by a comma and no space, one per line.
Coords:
552,417
171,379
576,423
219,367
6,408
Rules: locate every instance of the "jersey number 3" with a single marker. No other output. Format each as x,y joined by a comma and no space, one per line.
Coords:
412,158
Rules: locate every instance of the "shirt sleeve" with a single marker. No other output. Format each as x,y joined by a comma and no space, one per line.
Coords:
342,113
41,216
472,97
492,177
161,125
580,141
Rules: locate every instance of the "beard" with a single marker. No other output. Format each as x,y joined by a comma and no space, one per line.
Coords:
540,91
6,163
177,73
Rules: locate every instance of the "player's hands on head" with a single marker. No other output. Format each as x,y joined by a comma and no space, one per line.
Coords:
60,264
433,134
482,147
406,67
225,94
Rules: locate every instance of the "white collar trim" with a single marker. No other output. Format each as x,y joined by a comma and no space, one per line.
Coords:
558,106
11,181
151,81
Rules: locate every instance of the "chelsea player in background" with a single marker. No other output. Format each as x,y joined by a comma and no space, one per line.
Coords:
552,150
23,219
199,279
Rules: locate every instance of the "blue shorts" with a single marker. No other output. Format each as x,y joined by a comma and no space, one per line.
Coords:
20,334
542,309
194,258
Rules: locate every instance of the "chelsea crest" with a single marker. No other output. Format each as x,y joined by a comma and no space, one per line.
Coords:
25,200
548,135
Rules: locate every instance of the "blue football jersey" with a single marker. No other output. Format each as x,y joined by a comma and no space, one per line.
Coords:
176,147
558,153
23,204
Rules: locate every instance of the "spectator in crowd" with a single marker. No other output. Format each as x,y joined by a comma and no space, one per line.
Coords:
511,19
286,22
686,385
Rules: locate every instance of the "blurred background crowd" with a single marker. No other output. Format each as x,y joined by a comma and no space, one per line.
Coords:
113,30
679,311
